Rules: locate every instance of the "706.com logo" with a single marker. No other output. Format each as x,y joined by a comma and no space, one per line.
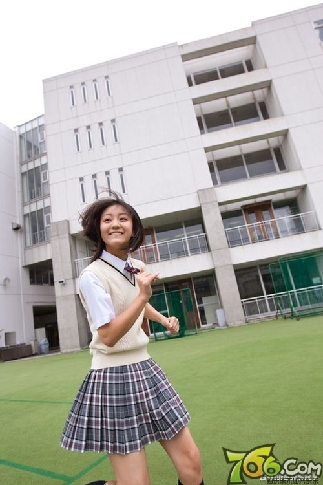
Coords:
261,463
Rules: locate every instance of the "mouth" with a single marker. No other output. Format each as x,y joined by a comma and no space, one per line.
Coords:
115,232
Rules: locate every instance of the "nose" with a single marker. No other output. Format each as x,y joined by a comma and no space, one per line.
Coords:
115,223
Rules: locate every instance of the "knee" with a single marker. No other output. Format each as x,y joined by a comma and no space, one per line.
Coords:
193,460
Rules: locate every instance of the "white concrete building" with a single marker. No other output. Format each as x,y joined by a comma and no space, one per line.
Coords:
217,144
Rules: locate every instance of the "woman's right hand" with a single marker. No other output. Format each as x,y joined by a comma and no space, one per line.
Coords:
144,280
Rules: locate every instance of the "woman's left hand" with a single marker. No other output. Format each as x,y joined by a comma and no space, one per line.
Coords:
172,324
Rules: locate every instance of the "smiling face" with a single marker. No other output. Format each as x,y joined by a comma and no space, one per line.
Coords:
116,230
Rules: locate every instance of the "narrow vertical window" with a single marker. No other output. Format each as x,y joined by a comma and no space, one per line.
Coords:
72,96
114,130
77,140
102,134
84,92
96,89
122,181
81,181
89,137
108,85
318,25
95,186
107,178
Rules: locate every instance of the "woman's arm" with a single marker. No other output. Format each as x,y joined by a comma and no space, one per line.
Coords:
171,323
114,330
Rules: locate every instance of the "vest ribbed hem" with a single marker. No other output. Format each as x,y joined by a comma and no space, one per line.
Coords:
127,357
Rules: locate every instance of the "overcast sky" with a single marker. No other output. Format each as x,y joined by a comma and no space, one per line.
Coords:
44,38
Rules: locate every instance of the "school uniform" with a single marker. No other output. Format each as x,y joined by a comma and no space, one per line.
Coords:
125,401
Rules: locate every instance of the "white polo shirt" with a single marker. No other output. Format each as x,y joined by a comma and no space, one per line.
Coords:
98,301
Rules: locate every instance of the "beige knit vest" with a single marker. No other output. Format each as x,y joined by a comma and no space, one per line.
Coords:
132,347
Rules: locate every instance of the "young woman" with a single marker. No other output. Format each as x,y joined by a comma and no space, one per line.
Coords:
126,401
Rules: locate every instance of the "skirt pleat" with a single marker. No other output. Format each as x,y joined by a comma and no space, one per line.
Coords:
122,409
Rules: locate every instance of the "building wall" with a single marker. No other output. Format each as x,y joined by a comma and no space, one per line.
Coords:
10,259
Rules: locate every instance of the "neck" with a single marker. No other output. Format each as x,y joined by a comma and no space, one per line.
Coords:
119,253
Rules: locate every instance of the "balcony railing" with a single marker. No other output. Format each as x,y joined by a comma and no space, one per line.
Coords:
290,303
272,229
163,251
175,248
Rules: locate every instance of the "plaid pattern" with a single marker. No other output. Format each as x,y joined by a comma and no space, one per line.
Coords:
122,409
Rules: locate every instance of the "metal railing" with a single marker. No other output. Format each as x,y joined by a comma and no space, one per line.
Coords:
288,303
163,251
175,248
272,229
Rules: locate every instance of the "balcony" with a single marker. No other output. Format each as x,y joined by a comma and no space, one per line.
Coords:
162,251
176,248
272,229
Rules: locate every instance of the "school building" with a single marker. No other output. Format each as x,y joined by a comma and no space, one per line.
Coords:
218,144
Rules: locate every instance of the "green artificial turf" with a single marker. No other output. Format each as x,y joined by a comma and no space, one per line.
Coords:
244,387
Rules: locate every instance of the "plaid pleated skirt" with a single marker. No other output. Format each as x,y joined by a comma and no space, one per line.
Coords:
122,409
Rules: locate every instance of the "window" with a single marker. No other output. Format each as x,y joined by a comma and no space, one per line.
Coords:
108,85
246,165
84,92
35,182
95,186
89,137
231,169
107,178
102,134
95,89
42,277
36,230
81,182
241,115
122,182
219,72
259,163
32,142
77,140
72,96
318,25
114,130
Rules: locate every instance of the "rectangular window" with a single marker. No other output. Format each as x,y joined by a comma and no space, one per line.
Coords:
102,134
114,130
72,96
81,181
108,181
217,121
122,181
318,25
259,163
96,89
95,186
84,92
89,137
35,232
206,76
77,140
108,85
230,169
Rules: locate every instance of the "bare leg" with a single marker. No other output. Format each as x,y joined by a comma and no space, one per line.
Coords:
130,469
185,456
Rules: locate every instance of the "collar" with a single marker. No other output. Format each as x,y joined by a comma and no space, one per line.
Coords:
118,263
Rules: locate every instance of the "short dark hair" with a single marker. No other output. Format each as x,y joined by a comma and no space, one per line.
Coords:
90,220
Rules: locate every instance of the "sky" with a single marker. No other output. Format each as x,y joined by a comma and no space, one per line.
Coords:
44,38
